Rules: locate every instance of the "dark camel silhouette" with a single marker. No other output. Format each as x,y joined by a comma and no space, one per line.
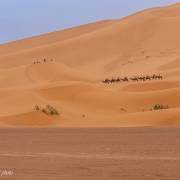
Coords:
134,79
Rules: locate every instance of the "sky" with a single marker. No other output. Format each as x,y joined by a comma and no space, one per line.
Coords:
25,18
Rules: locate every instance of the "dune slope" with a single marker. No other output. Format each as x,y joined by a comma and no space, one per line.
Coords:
65,69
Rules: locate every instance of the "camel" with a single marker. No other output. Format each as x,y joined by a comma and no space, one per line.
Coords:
106,81
160,77
118,80
113,80
125,79
135,79
148,77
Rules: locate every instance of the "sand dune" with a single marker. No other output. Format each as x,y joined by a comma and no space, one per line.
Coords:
76,62
151,86
33,119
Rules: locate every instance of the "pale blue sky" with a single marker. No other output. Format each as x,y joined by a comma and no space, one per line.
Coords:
24,18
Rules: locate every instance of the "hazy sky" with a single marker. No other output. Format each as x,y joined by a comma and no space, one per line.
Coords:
24,18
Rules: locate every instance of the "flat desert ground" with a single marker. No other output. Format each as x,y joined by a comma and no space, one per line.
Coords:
102,131
86,154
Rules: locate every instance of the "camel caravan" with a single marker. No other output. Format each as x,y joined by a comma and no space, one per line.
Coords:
133,79
42,61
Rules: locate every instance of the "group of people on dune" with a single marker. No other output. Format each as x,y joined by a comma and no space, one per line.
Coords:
42,61
135,79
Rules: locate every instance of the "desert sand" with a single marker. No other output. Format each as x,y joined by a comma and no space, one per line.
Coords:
76,62
86,154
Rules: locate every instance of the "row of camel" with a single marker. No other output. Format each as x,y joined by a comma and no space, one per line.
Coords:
42,61
134,79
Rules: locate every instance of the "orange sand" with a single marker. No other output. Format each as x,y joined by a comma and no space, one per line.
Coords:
144,43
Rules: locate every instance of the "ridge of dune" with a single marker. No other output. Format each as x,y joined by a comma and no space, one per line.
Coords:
65,69
53,37
169,11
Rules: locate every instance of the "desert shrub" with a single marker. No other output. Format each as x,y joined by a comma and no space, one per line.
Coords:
49,110
157,107
52,110
37,108
44,111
